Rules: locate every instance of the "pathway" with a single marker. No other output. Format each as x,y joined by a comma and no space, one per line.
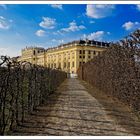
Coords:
79,109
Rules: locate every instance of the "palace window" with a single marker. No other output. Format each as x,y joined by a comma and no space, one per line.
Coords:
80,63
89,56
80,56
64,64
94,52
34,52
68,64
83,56
83,51
72,64
80,51
59,66
54,65
88,52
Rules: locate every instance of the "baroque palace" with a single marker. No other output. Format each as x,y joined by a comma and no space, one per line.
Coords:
66,57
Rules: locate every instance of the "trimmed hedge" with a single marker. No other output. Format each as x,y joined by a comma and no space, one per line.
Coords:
23,87
117,71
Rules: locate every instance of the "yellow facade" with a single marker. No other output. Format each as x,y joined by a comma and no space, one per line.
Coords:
34,55
67,57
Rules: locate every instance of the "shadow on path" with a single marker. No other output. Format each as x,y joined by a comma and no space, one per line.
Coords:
79,109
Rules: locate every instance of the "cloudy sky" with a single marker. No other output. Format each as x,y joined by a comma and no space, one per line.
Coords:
50,25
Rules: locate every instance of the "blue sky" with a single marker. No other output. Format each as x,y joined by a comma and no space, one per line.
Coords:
49,25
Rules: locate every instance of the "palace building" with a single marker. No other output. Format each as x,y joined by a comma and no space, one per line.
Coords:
66,57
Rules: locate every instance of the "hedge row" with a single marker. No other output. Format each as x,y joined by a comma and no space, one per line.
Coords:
117,71
23,87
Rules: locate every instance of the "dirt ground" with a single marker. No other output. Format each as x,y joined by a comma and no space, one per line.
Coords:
78,109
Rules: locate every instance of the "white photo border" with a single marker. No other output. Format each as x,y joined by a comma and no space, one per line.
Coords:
70,137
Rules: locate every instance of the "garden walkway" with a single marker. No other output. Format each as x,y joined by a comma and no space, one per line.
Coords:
79,109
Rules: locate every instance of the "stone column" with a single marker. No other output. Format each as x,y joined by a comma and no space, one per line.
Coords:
57,60
62,61
71,62
91,54
76,62
86,55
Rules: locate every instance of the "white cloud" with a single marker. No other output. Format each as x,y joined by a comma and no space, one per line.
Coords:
3,6
61,41
9,51
59,32
95,35
99,11
40,33
2,51
131,25
73,27
57,6
2,18
48,23
4,23
54,40
138,7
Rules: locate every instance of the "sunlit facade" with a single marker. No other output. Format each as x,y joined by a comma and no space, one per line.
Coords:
66,57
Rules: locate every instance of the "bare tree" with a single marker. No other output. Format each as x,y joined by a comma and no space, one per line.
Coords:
23,87
117,71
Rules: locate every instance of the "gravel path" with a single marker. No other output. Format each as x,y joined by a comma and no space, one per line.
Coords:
79,109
